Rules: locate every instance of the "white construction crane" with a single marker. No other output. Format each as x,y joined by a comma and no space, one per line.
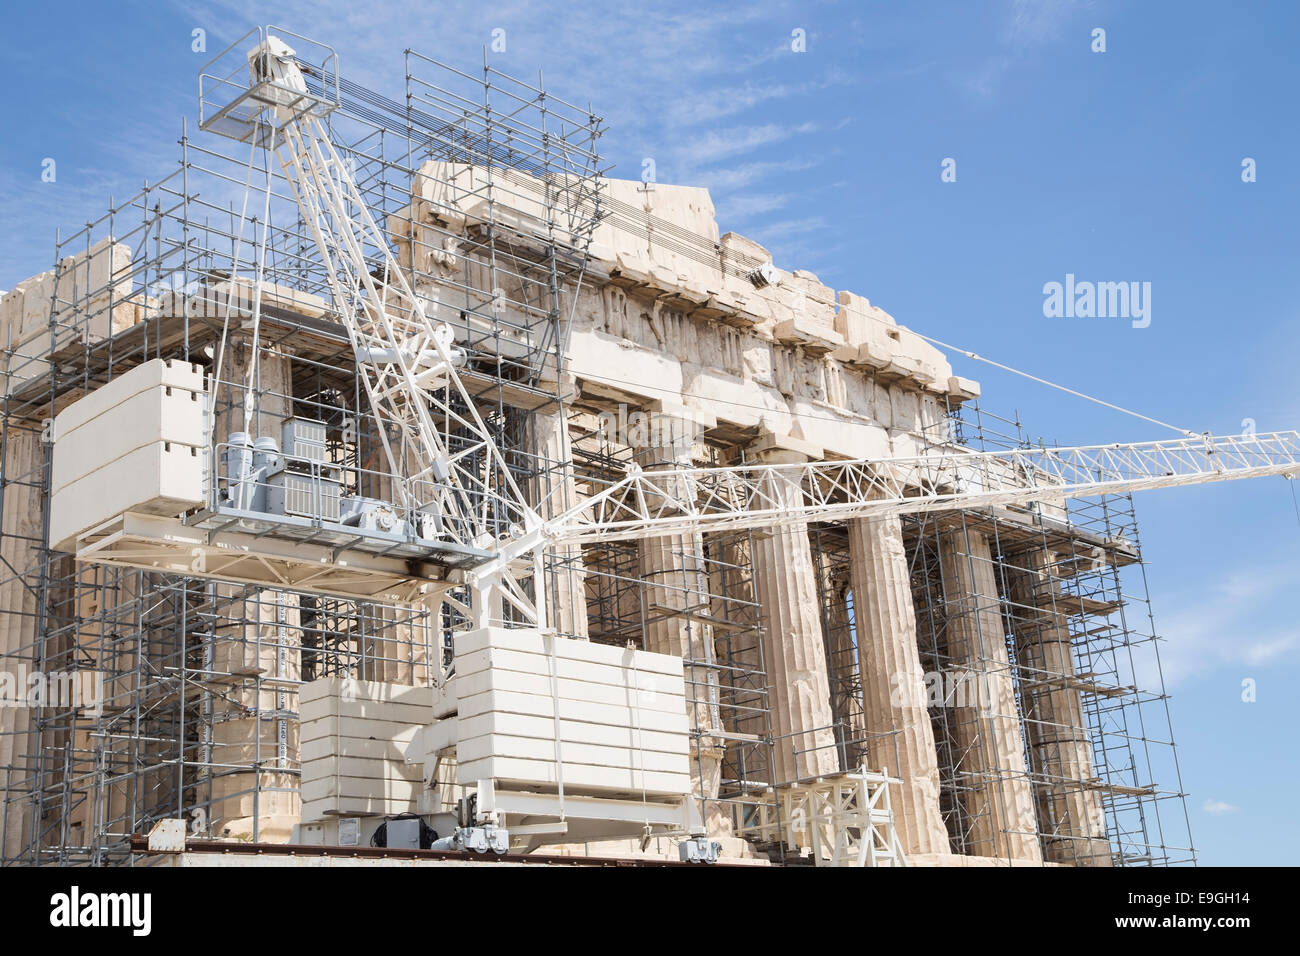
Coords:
408,366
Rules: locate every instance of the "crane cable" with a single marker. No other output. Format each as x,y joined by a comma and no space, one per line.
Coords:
1069,391
253,377
225,324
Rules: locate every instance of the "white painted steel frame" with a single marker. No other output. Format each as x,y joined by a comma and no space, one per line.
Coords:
649,504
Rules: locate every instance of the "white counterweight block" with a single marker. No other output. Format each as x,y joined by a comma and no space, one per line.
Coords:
134,444
534,711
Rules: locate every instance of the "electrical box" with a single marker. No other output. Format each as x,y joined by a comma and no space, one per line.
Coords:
403,834
303,438
290,493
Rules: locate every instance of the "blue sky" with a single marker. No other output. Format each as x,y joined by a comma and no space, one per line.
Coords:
1115,166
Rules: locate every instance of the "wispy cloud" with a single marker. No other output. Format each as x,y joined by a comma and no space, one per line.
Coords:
713,105
746,174
663,78
1028,25
1218,808
1215,629
719,144
753,204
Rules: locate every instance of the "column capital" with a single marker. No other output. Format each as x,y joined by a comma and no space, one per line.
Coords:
773,449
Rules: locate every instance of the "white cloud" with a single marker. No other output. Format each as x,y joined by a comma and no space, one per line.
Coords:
1214,628
721,143
1218,807
744,206
711,105
1029,25
738,177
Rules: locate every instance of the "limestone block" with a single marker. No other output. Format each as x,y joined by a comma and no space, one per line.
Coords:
527,702
328,747
11,316
924,363
963,389
318,723
737,402
420,246
437,190
156,479
905,445
841,436
539,727
856,314
744,249
355,737
905,406
577,777
815,337
26,364
98,274
105,322
150,416
37,305
239,297
359,698
602,358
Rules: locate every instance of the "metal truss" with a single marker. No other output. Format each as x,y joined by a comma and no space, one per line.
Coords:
844,821
647,504
405,361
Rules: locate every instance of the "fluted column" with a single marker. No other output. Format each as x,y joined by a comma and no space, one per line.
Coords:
675,601
998,798
842,660
793,647
893,682
1060,747
23,467
555,491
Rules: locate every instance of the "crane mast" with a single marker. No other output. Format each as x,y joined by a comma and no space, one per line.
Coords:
406,362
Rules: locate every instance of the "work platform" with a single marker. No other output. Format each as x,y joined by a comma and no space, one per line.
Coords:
240,547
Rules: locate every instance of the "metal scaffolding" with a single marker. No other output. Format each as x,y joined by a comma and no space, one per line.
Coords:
1069,620
213,266
491,190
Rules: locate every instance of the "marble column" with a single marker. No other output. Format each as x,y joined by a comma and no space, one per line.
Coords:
991,748
893,682
794,651
1060,746
842,661
675,608
554,491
